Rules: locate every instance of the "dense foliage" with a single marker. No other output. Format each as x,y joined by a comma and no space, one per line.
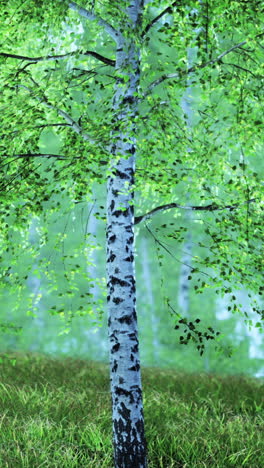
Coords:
57,81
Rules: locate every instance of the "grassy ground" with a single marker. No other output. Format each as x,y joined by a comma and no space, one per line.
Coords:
57,413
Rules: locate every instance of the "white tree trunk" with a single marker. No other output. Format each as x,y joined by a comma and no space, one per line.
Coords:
153,320
96,336
34,284
185,270
126,390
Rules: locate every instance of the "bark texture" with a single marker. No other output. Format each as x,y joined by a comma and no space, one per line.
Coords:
126,390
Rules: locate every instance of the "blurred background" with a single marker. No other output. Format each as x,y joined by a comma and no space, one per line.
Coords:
53,293
53,286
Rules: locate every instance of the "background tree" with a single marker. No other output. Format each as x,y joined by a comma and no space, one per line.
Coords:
116,102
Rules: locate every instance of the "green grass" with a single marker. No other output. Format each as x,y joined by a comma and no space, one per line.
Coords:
57,413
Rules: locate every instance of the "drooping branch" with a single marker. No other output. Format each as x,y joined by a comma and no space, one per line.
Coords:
157,241
116,35
7,184
180,74
154,20
100,57
27,156
72,123
211,207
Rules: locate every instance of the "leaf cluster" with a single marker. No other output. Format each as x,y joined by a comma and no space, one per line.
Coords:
192,333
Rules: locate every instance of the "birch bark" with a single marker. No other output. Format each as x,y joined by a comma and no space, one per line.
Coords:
126,390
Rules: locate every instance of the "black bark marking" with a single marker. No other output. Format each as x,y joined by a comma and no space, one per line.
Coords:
112,239
132,336
121,380
115,348
129,259
134,349
112,205
130,171
130,240
115,193
128,99
127,319
136,367
118,300
111,258
124,412
132,150
132,357
131,278
111,287
132,284
117,271
108,299
118,213
109,321
134,454
136,387
121,175
122,391
114,280
128,452
114,368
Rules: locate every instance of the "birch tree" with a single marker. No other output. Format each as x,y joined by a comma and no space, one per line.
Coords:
106,78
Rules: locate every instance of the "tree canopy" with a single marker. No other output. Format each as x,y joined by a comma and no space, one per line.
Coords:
57,81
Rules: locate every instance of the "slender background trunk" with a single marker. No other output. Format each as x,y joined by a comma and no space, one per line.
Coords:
150,311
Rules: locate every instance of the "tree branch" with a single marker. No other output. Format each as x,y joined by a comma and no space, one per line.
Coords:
33,155
181,73
43,126
164,12
100,57
212,207
93,17
72,123
52,125
242,68
172,255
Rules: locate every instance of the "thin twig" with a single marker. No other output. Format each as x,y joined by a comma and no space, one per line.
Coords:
171,254
241,68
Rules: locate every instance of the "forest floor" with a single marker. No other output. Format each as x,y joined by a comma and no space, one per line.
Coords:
57,413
